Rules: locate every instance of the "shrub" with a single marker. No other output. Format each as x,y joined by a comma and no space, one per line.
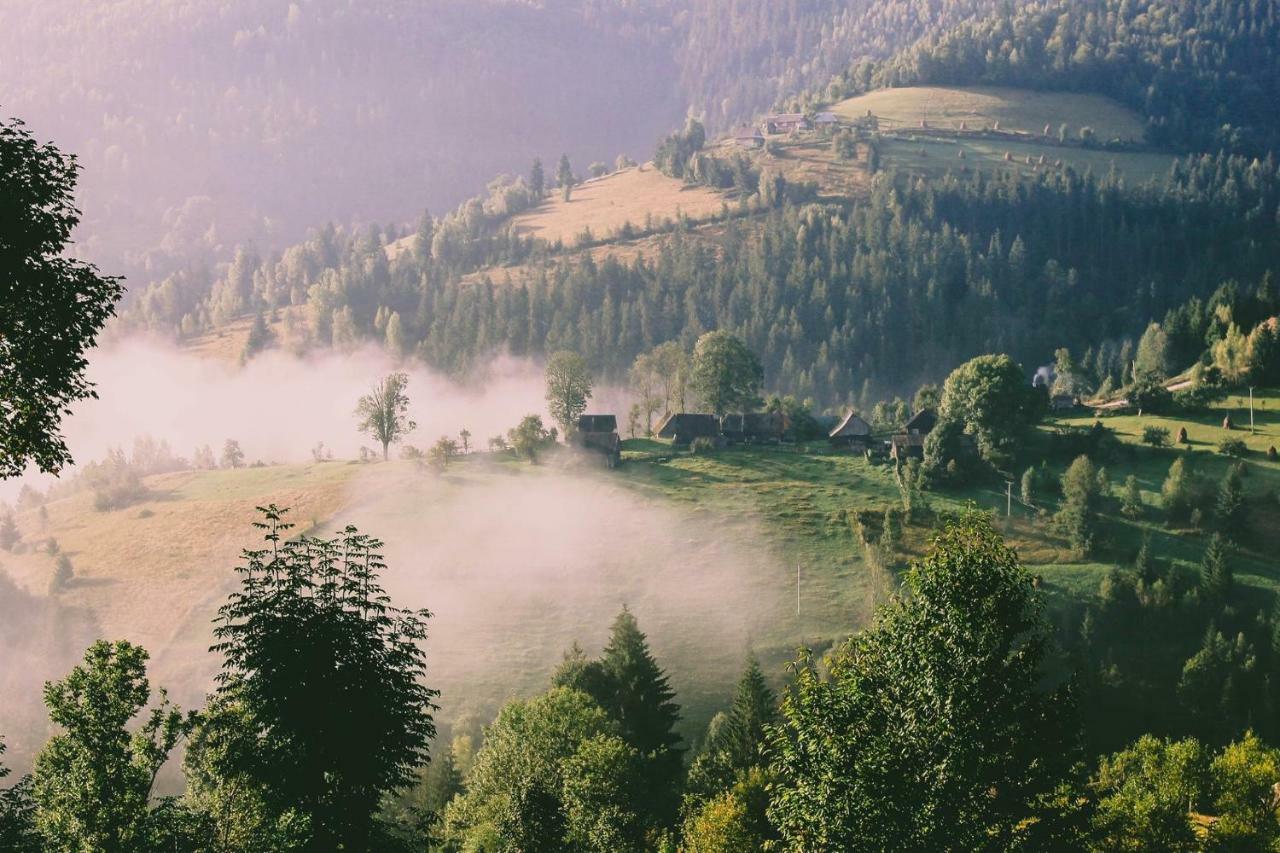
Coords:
702,445
1156,436
1233,447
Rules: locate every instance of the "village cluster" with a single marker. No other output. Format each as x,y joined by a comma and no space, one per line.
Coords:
599,433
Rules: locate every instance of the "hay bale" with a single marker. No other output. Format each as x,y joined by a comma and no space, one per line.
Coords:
1182,435
1227,424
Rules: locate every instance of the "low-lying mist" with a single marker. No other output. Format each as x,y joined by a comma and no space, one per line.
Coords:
516,561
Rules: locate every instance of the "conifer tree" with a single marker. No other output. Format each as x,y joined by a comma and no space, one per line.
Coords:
640,699
1231,508
1216,577
755,708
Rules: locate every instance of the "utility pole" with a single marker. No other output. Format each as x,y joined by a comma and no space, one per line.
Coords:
1251,410
1008,498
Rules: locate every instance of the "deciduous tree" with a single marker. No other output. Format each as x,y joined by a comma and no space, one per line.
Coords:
384,412
51,307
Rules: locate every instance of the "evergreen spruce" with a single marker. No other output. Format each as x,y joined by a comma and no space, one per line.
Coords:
1216,577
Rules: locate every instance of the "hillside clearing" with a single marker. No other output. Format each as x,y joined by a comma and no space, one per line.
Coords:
935,157
604,205
1016,110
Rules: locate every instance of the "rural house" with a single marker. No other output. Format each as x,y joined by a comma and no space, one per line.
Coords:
682,428
826,121
600,434
852,432
921,423
785,122
754,427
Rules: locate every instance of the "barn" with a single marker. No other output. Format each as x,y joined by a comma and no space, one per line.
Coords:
754,427
852,432
683,427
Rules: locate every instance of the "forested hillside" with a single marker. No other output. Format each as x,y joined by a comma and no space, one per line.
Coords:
1204,74
201,125
844,304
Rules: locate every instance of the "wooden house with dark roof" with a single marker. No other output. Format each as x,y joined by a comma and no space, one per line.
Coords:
852,432
785,122
682,428
921,423
754,427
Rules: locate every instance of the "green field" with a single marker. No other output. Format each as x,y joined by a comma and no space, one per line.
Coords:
1016,110
936,157
517,561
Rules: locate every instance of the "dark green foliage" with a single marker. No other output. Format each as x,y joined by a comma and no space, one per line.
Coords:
1131,498
1216,578
1155,436
526,791
725,375
674,153
1081,499
1200,73
640,699
735,739
810,290
537,180
950,676
51,307
328,676
92,782
991,399
1232,512
17,814
1233,447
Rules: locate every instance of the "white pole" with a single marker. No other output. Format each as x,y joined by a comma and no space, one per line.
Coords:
1250,409
1008,496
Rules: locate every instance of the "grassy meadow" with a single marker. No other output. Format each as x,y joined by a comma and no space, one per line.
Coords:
1016,110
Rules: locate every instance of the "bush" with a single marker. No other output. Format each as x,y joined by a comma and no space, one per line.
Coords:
1156,436
1234,447
702,446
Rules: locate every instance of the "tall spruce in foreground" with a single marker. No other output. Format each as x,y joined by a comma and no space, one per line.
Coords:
51,307
329,680
735,738
933,730
640,700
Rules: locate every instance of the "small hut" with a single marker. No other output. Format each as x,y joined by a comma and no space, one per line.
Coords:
852,432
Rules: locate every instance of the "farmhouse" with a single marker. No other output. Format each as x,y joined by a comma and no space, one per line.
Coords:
826,120
748,137
852,432
599,433
752,427
921,423
682,428
785,122
1063,402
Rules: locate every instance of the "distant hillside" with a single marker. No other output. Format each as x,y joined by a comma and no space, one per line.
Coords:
203,125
